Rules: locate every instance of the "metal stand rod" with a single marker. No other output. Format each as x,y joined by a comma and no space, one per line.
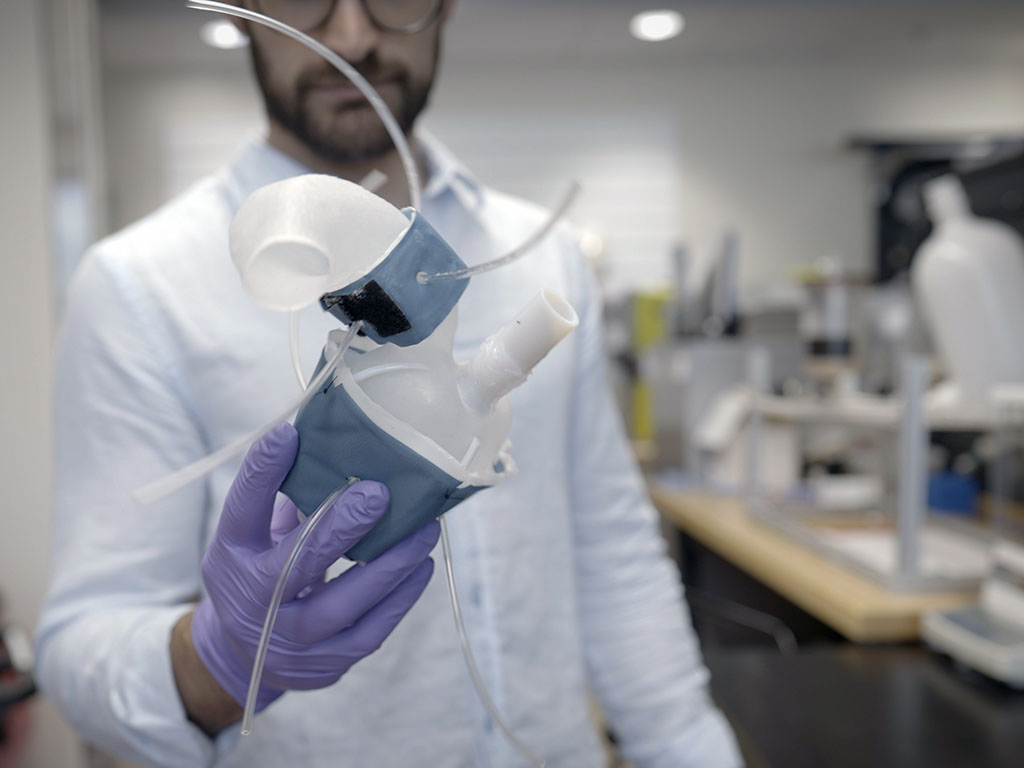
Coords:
759,378
912,466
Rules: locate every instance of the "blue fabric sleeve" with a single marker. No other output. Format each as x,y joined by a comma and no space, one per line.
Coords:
337,441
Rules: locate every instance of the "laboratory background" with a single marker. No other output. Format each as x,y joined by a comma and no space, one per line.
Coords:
807,221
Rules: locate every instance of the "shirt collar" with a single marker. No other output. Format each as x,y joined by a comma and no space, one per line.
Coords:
446,172
259,164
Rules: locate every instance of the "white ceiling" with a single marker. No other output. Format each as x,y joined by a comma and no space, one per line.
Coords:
144,34
726,30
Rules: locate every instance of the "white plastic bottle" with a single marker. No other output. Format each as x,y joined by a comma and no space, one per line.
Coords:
968,278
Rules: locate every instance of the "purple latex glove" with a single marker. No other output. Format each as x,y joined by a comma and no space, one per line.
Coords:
319,635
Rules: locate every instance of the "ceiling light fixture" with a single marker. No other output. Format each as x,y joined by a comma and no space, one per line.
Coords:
656,25
223,35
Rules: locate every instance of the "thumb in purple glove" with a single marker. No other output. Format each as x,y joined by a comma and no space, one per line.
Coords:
320,635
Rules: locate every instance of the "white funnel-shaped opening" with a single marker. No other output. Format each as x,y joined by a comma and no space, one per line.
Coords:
297,239
505,359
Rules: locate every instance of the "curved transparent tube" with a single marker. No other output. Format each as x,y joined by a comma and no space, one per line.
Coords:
377,370
275,604
390,124
515,253
155,491
293,348
467,653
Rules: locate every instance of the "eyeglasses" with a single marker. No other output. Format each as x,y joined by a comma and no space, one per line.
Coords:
401,17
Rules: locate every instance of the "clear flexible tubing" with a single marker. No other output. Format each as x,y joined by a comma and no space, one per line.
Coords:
293,348
377,370
147,494
336,61
467,653
275,605
516,253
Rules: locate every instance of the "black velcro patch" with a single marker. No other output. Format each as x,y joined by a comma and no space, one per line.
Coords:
372,305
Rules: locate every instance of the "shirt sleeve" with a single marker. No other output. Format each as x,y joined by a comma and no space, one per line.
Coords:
122,573
641,650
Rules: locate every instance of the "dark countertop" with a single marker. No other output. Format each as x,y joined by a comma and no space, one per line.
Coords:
857,706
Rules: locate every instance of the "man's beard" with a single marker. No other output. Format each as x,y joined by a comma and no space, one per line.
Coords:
325,132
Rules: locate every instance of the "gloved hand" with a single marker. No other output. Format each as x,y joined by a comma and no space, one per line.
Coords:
319,635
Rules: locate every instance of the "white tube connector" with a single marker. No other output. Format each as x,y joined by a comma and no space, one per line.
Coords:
505,359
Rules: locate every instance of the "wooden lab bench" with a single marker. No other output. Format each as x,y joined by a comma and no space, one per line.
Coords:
851,604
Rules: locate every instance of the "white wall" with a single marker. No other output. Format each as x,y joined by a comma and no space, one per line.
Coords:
26,327
759,146
165,130
627,165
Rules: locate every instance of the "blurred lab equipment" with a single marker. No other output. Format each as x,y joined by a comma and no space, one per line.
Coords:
724,304
648,327
877,489
892,330
991,166
988,635
872,511
687,347
706,291
826,323
649,323
969,280
737,450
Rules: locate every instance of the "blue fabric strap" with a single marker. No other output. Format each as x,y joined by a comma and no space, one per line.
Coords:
394,306
338,441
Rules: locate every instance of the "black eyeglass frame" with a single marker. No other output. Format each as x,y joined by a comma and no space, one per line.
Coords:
408,29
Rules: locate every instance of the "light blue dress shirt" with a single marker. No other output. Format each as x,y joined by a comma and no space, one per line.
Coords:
566,585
